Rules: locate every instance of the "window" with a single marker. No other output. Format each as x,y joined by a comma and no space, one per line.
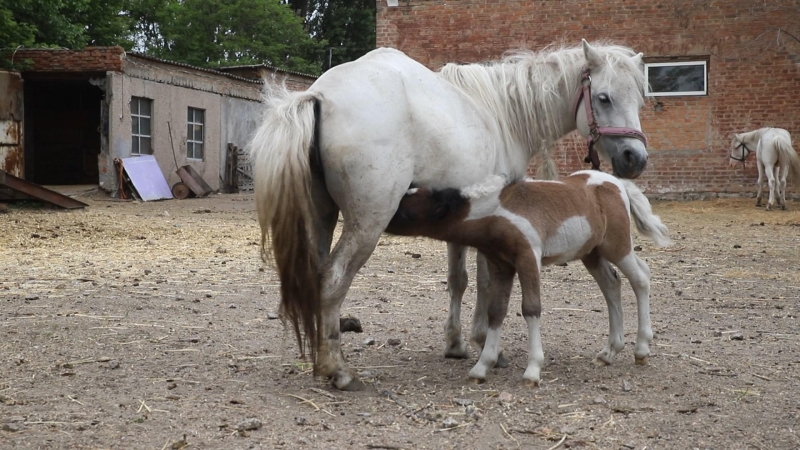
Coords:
676,78
141,117
194,133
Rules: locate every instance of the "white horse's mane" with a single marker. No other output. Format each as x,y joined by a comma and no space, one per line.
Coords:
490,185
523,90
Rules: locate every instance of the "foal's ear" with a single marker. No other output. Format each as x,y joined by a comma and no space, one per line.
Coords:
593,58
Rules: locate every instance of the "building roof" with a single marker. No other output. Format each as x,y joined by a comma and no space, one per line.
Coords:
109,58
266,66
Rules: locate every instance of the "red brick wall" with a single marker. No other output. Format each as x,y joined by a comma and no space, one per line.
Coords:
90,59
754,69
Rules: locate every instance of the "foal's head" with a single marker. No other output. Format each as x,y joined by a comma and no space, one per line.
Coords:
423,209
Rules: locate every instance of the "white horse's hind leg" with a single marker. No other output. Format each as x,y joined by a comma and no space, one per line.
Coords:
760,181
638,274
783,172
770,171
348,256
457,279
610,285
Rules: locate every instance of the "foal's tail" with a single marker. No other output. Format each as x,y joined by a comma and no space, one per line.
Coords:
787,154
647,223
280,152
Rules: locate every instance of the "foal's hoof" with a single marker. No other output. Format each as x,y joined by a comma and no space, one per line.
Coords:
502,362
345,381
457,350
640,361
474,380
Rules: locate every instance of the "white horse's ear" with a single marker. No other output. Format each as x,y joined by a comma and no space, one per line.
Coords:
638,59
593,59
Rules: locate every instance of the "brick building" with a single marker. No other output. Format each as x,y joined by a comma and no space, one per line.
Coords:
79,110
746,56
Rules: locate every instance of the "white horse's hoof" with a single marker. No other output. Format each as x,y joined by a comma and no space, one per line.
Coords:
474,380
601,361
345,381
530,383
640,361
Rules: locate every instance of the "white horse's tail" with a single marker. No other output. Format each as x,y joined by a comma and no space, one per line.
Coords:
786,153
647,223
280,153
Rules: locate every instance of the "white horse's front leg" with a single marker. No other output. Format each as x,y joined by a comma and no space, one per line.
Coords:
456,286
610,285
638,274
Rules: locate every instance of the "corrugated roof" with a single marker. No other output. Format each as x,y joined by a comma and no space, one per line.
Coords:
189,66
267,66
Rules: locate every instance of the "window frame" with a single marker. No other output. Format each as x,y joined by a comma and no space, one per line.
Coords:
693,62
191,143
138,117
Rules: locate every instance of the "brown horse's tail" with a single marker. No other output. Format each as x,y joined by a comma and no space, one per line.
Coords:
786,153
280,153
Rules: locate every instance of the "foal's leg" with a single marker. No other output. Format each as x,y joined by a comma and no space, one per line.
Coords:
480,317
760,181
610,285
456,285
501,277
529,280
638,274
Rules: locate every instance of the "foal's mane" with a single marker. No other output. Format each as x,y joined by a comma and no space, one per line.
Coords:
525,89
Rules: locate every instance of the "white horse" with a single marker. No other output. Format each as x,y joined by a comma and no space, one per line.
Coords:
366,130
524,226
775,158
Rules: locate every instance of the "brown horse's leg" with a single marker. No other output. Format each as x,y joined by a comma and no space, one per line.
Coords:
481,316
610,285
501,277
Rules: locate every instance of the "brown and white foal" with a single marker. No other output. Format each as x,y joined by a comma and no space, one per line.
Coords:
526,225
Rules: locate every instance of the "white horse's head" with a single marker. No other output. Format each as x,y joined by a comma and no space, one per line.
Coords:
617,83
739,150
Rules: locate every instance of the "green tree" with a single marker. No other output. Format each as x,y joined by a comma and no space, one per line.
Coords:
61,23
348,26
209,33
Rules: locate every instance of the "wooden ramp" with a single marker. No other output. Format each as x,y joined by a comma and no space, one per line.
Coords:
37,192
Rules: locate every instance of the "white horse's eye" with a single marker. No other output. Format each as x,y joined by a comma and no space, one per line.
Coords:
604,98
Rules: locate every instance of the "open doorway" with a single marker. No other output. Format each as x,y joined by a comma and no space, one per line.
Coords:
62,128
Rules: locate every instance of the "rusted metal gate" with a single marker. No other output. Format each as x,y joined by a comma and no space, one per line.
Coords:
12,154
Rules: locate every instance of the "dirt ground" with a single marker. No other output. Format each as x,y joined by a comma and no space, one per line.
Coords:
148,325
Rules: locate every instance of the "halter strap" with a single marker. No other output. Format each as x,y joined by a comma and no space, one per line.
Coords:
596,132
744,155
